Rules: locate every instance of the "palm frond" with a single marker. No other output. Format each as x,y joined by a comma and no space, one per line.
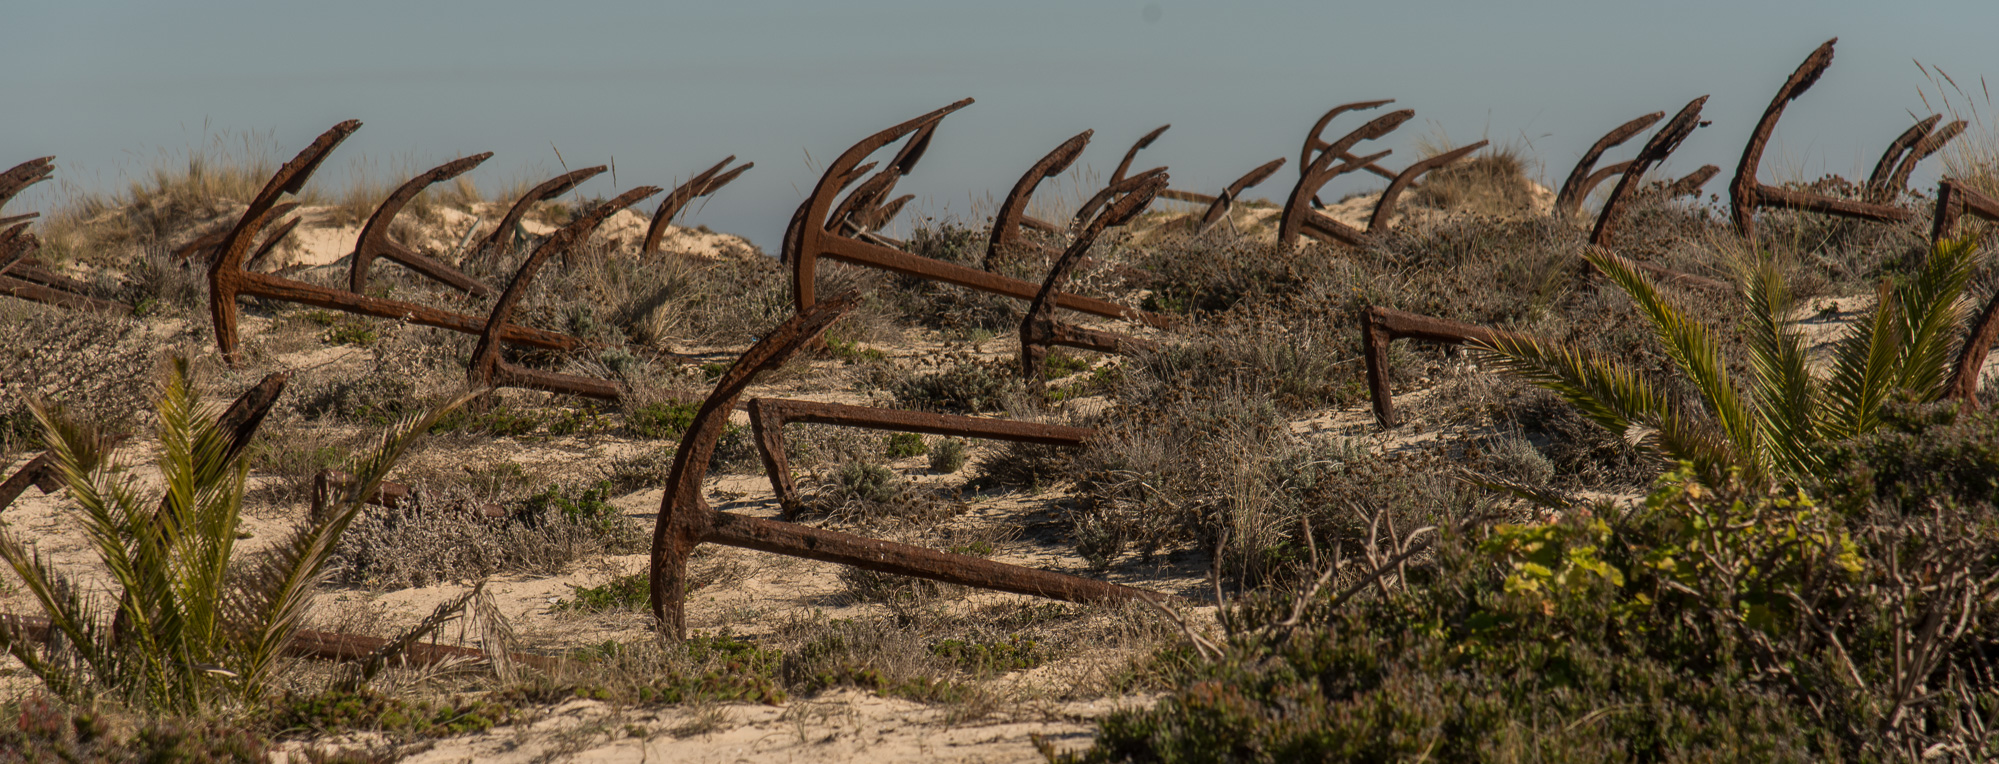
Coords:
269,599
1619,399
1864,370
1688,343
1931,315
1786,395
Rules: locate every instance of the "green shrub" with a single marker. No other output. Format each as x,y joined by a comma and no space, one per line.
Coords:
665,420
633,593
902,445
949,456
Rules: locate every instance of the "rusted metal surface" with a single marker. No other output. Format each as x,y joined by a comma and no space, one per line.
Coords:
205,244
376,242
271,243
1299,217
1089,209
501,240
23,175
1585,177
329,486
1219,206
1038,329
685,519
22,278
1692,183
768,416
1746,194
39,472
1877,181
814,240
1315,144
227,279
1954,201
488,368
1661,145
788,248
702,184
1007,224
12,219
1384,207
1380,326
1898,182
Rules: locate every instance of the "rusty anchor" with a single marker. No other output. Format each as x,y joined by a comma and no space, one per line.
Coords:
227,279
488,368
1746,194
703,184
1661,145
501,240
1039,329
1089,209
1898,181
768,416
376,242
1007,225
686,521
1299,217
813,240
1691,183
1380,326
23,175
1585,176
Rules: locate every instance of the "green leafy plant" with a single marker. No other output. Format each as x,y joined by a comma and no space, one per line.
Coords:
664,420
949,456
906,444
1785,422
189,622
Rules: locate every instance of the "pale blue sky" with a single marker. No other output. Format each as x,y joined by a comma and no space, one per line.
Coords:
669,88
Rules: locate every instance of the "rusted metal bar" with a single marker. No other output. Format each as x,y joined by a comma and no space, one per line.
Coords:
1898,182
206,243
788,248
1219,206
1746,194
1954,200
1384,207
1013,209
330,485
685,519
874,219
488,368
1039,329
867,203
1089,208
271,243
1380,326
227,279
1299,217
22,278
1314,143
703,184
1877,181
1661,145
23,175
12,219
814,241
768,416
1585,177
39,472
376,242
501,239
1692,183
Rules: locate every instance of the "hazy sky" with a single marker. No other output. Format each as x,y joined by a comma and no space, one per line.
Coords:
666,89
